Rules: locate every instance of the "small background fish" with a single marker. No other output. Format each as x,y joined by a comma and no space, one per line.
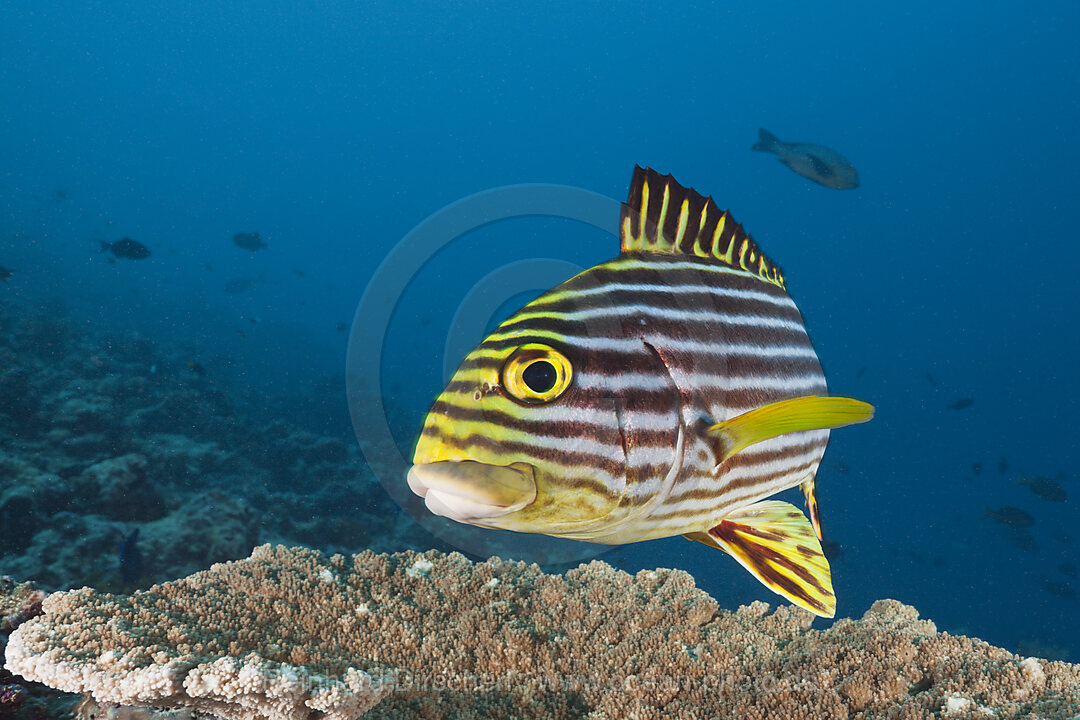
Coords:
126,248
249,241
821,164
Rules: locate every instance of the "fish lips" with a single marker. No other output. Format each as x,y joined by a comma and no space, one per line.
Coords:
473,492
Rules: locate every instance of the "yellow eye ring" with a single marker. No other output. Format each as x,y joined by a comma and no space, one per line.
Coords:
536,374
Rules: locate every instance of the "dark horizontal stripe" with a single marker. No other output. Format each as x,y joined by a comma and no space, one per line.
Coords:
569,429
722,494
638,360
756,455
516,448
630,325
664,270
662,297
745,483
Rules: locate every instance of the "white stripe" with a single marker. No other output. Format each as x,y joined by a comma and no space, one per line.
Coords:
642,454
701,382
558,295
754,460
784,468
602,417
613,312
636,346
633,263
605,418
609,451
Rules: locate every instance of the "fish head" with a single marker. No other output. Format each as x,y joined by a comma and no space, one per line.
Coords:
527,437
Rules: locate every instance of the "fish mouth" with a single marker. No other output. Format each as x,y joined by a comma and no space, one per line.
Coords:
471,492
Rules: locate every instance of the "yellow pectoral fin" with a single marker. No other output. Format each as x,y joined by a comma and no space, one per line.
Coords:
774,541
783,417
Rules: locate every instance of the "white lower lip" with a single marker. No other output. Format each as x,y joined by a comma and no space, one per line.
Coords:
459,508
468,491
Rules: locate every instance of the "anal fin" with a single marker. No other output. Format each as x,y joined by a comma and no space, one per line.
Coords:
776,543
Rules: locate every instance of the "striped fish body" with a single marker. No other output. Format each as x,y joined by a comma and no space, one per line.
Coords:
608,409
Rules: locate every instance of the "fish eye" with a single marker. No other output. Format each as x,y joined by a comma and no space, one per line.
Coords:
536,374
539,376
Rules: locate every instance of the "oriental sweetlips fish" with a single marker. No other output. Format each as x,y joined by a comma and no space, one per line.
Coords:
669,391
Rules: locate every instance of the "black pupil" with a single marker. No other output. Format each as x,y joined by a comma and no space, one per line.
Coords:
539,376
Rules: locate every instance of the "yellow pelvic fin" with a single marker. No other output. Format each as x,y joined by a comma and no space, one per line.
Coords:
774,541
810,497
783,417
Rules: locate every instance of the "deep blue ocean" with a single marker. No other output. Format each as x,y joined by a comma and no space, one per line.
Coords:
334,129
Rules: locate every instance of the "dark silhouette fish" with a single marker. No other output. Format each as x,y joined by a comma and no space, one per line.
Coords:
961,404
1064,591
823,165
248,241
196,368
5,273
976,467
1068,568
1045,488
1011,516
861,372
930,379
1003,466
1020,537
130,559
126,248
833,550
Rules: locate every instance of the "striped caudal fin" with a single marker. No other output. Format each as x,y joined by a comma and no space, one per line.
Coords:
661,216
774,541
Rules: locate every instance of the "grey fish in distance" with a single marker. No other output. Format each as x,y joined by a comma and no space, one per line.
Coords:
126,248
248,241
1045,488
823,165
1011,516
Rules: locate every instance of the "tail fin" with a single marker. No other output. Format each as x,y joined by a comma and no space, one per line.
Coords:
767,142
105,245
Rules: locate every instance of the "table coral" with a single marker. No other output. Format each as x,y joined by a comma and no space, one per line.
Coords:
18,603
290,633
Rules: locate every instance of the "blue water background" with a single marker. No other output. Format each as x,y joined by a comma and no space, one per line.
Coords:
333,128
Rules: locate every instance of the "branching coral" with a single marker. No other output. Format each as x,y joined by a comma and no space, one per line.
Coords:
289,633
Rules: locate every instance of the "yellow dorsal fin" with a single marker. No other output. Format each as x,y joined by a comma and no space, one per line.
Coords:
661,216
783,417
774,541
